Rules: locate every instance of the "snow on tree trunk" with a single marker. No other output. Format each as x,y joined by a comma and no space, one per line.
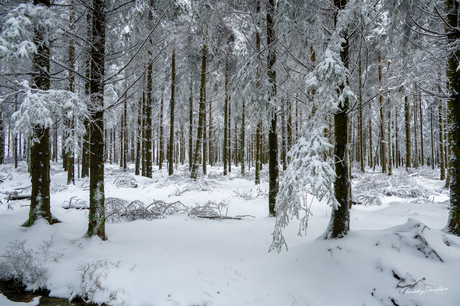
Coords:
201,121
171,115
40,151
454,118
96,225
273,171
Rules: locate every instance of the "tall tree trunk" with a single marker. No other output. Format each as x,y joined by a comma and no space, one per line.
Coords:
453,76
137,169
96,224
85,156
383,151
190,125
210,134
361,133
202,110
432,136
70,156
415,129
122,124
371,149
205,141
161,141
2,138
272,134
397,153
40,152
283,136
242,137
422,157
258,146
390,142
340,218
224,147
408,133
229,131
147,145
171,115
258,149
125,132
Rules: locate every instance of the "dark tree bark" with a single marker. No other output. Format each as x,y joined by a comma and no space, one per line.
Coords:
125,133
272,134
85,156
340,218
224,147
171,115
242,137
210,135
40,152
408,134
96,225
360,128
415,129
69,156
371,158
201,116
422,157
383,150
453,76
2,138
205,140
137,169
441,142
258,145
147,147
190,124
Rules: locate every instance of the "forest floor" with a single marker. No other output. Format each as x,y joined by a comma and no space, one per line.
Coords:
175,241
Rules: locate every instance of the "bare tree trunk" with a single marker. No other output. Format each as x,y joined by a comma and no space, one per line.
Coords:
96,224
224,148
283,136
85,156
190,125
390,149
242,137
272,134
205,141
432,136
441,141
210,134
408,133
2,138
40,152
415,129
340,217
422,157
361,134
70,156
138,138
161,136
201,118
383,151
258,146
371,149
125,132
453,75
171,114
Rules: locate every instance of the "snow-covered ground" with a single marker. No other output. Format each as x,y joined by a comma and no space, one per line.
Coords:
395,254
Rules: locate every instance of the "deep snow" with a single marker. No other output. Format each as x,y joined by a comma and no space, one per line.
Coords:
180,260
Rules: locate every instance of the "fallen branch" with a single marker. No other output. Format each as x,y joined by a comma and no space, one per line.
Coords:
409,285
